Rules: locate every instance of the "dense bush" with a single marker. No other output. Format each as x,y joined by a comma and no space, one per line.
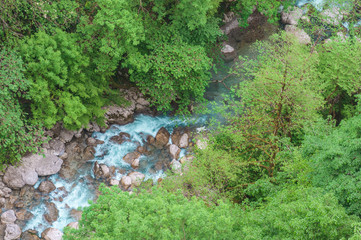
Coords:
17,135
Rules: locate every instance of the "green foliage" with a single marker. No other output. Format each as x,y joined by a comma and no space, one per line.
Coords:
17,136
177,72
269,8
61,86
19,18
276,101
335,157
339,70
155,215
161,43
298,213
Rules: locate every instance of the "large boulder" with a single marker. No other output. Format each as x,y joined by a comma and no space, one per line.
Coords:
300,34
126,182
52,212
52,234
291,17
46,186
183,141
137,178
162,137
17,177
174,151
8,217
12,231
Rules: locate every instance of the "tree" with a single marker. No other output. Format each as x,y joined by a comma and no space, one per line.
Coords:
17,135
162,44
62,87
339,70
154,215
277,100
334,155
298,213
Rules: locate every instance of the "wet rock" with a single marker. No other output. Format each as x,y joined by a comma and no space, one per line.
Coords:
76,214
120,138
136,178
175,166
174,151
52,212
23,214
291,17
57,146
126,182
135,163
28,197
67,135
52,234
300,34
150,140
8,217
176,135
130,157
88,153
162,137
12,231
74,225
30,235
183,142
142,149
101,170
46,187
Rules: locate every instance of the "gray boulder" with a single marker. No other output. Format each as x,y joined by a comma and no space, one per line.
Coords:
12,231
183,142
174,151
136,178
126,182
8,217
52,234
